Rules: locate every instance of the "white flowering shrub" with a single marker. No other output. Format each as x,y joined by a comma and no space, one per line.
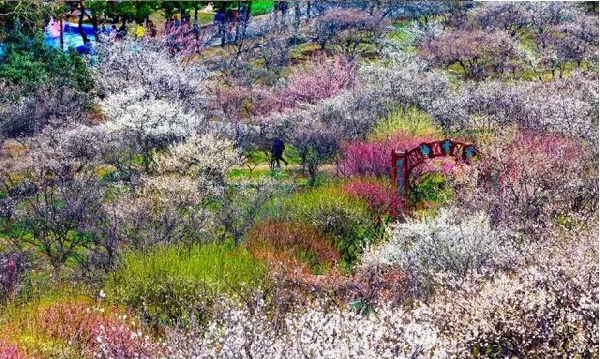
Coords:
147,124
143,64
314,332
451,243
160,209
203,157
546,309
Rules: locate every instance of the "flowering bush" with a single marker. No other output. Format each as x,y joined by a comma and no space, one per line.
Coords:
528,192
316,331
531,105
206,158
160,210
477,52
237,102
548,308
147,124
95,332
141,64
378,195
292,246
348,29
320,79
453,243
13,267
374,158
10,351
74,327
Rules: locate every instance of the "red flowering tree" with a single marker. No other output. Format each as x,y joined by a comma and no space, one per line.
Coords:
373,158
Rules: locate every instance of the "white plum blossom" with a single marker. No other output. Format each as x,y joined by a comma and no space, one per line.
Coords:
204,157
155,121
144,64
316,331
452,242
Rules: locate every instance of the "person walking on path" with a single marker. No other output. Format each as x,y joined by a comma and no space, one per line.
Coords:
277,152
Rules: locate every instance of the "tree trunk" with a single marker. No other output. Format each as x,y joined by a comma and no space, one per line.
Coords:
80,24
94,19
308,8
246,18
297,18
62,37
196,25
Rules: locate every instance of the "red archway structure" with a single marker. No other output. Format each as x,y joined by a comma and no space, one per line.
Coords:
404,162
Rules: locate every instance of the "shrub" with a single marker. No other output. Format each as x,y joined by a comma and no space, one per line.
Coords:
294,246
13,267
534,178
319,80
177,285
376,193
476,51
409,122
161,209
205,158
317,331
344,219
374,158
429,189
28,62
98,334
349,29
10,351
453,243
548,308
73,328
39,85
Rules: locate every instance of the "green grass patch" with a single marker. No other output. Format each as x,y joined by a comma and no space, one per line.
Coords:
177,285
262,7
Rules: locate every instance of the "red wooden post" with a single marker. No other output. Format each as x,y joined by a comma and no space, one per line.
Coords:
399,183
62,39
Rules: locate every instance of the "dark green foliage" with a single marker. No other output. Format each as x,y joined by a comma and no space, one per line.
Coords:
30,16
28,63
430,187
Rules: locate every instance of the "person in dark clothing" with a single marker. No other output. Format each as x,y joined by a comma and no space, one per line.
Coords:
151,28
277,151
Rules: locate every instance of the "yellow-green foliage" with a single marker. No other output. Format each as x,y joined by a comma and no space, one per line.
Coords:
410,122
343,218
174,284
